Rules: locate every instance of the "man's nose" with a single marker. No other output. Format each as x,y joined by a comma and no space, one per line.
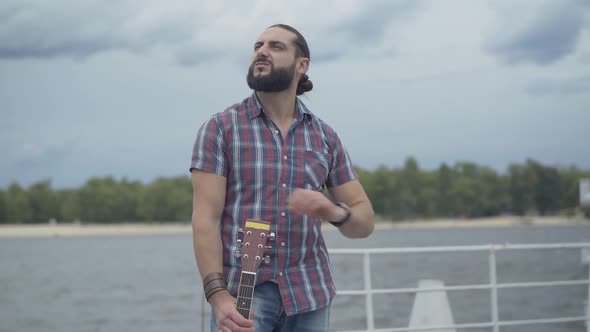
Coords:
262,51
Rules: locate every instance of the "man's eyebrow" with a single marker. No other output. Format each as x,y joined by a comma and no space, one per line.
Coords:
276,42
271,42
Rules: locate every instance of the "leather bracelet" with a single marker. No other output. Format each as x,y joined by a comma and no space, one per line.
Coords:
214,284
214,287
212,276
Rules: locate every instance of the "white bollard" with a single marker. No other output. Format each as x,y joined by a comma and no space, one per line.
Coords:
585,253
432,308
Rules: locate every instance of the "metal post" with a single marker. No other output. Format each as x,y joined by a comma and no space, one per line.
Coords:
203,313
368,292
585,253
494,289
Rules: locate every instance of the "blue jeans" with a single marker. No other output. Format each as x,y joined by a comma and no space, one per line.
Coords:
269,315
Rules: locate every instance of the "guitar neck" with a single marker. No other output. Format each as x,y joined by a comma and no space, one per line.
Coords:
245,293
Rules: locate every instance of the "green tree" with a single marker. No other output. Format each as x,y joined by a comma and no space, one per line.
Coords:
3,206
547,190
521,185
381,194
428,195
43,202
408,187
465,189
494,196
69,205
167,200
445,205
465,194
18,207
98,200
127,198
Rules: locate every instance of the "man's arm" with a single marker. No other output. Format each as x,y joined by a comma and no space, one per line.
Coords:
313,203
208,202
360,223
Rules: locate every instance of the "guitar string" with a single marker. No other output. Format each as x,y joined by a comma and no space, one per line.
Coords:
245,293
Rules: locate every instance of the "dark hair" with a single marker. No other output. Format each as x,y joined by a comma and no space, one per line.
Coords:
302,50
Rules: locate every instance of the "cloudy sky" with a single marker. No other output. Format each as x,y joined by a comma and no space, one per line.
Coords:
95,88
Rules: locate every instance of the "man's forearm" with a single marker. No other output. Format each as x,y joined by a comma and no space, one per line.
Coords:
361,222
207,246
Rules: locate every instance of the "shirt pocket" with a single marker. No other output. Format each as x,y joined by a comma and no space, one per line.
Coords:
317,168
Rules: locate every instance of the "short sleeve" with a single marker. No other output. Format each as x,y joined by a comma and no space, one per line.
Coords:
341,169
209,152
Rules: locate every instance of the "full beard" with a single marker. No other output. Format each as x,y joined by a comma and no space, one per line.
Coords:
279,79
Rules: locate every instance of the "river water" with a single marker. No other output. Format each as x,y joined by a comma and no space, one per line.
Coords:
150,283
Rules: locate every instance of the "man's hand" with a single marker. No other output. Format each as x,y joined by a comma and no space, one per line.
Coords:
227,318
315,204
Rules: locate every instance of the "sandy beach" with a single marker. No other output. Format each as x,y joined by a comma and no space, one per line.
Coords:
67,230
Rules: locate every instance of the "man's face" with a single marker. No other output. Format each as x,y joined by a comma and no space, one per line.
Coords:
273,61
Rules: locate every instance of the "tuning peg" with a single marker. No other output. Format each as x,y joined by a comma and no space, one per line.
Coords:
241,230
266,259
237,254
239,242
271,236
268,247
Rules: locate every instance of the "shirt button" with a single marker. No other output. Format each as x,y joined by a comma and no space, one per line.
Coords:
281,274
276,132
283,214
285,157
282,244
284,185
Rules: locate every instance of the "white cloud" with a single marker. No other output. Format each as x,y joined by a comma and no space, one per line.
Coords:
417,82
193,31
541,32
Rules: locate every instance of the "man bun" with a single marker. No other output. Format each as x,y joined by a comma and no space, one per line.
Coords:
304,85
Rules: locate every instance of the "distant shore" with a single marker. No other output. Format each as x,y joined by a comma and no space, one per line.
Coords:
508,221
69,230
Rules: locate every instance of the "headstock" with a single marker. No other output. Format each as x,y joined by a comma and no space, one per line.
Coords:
253,244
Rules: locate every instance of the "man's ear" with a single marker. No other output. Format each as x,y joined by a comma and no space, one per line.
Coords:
303,65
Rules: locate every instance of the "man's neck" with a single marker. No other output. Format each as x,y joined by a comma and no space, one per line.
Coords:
279,106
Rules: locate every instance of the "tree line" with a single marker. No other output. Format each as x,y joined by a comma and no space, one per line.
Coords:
462,190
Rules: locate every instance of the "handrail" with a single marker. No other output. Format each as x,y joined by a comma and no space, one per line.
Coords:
493,285
486,247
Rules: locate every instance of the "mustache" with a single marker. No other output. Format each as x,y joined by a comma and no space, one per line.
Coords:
262,59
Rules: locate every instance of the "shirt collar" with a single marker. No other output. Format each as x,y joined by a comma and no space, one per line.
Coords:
255,108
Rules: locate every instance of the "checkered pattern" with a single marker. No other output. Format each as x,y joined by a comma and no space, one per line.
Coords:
244,145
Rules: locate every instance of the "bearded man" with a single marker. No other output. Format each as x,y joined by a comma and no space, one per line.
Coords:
269,158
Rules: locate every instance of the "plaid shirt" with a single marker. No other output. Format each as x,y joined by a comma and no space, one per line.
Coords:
262,169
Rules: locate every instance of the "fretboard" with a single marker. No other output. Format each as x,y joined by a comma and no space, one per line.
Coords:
245,293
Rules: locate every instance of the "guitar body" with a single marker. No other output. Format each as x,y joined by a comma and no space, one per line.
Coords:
253,244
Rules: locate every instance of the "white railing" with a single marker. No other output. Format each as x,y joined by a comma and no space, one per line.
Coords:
368,291
493,284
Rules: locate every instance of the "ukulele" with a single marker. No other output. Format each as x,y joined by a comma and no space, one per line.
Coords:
252,245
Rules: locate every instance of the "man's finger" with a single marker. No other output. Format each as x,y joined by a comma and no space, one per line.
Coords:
240,320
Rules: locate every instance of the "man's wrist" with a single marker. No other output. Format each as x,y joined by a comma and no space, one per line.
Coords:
215,297
213,283
347,215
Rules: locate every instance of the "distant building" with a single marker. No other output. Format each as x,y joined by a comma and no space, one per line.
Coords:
585,192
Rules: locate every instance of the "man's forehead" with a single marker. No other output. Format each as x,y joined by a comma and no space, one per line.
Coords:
276,34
